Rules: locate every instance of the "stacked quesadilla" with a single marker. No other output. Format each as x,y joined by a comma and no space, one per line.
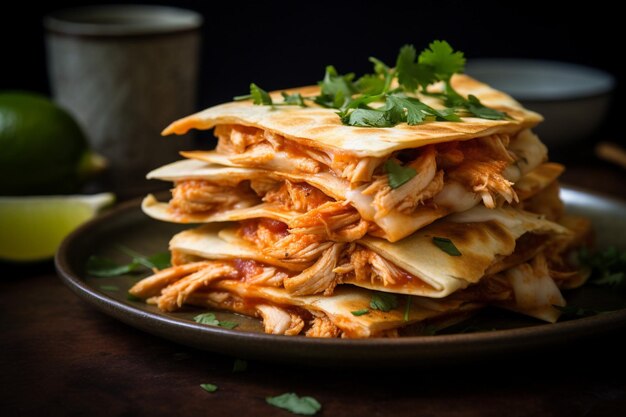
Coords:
327,228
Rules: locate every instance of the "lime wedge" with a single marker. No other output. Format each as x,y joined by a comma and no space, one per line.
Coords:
32,228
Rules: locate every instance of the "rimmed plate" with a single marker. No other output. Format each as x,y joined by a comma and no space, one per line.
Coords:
491,333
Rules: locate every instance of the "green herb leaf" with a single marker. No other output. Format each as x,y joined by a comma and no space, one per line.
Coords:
407,307
131,297
207,318
210,319
406,68
160,261
446,245
478,109
336,89
370,84
576,311
383,301
209,387
104,267
397,174
109,287
360,312
380,67
367,118
608,267
240,365
289,401
260,96
295,99
443,60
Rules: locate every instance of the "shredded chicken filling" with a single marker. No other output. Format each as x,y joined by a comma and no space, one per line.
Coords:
485,166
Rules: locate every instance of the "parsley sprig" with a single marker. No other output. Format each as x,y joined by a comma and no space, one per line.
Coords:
413,73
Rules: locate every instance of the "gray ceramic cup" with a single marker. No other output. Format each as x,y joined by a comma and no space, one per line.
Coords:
126,72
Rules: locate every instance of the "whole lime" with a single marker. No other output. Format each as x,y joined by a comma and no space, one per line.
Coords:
42,148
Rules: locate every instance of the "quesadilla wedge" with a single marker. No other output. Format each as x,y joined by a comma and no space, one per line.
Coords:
312,204
345,313
491,242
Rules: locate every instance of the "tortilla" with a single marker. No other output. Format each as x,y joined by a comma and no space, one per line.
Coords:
321,128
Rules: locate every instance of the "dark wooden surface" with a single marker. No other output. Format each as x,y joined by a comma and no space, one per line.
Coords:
59,356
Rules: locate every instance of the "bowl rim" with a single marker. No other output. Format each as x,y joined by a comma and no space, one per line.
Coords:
602,82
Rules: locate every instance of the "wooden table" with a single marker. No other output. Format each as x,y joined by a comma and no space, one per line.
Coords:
59,356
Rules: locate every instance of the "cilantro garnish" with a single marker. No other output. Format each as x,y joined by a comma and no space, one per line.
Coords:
407,308
109,287
576,312
383,301
260,96
289,401
446,245
608,266
211,320
209,387
360,312
413,73
104,267
397,174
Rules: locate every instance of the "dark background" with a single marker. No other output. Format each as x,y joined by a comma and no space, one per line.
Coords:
283,44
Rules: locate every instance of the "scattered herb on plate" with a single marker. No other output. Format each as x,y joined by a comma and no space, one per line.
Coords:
209,387
608,266
103,267
210,319
290,401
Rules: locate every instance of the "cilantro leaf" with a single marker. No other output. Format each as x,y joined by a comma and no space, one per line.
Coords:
228,324
383,301
478,109
336,89
608,266
360,312
295,99
446,245
307,406
370,84
209,387
260,96
406,68
367,118
104,267
380,67
397,174
207,318
575,311
443,60
158,261
210,319
407,307
109,287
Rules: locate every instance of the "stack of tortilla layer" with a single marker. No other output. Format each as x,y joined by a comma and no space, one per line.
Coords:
328,230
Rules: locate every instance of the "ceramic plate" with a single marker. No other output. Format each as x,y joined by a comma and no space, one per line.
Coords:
492,332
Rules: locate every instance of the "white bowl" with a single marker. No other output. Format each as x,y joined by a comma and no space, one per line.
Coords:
573,99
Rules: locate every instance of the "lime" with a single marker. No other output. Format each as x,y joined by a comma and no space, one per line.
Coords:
43,149
32,228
